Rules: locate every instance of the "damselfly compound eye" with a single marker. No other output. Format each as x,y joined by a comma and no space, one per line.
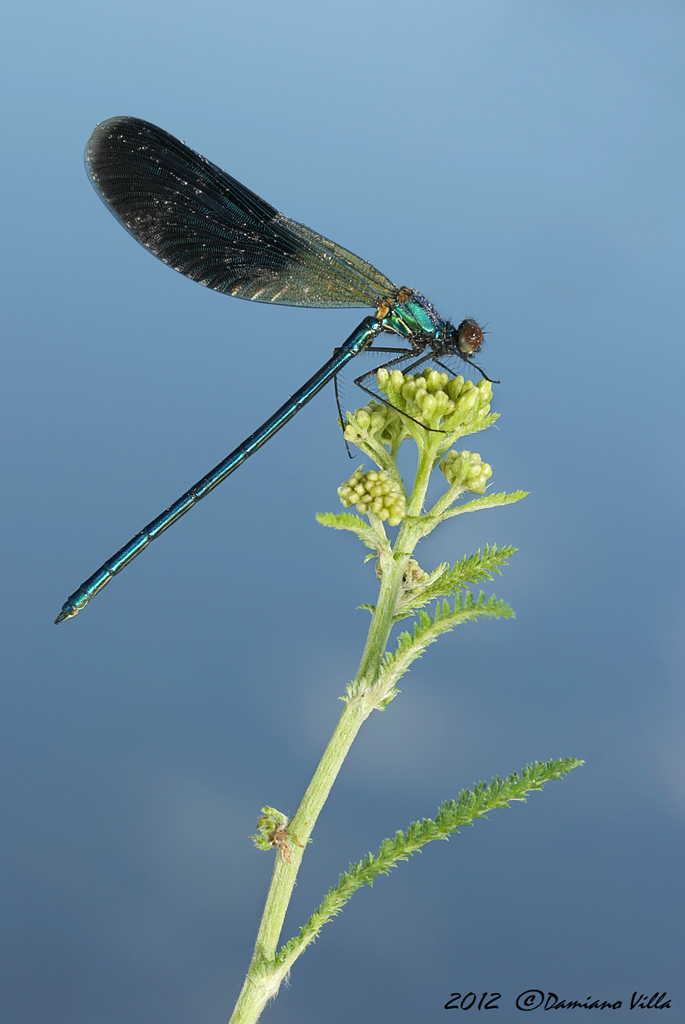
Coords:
469,337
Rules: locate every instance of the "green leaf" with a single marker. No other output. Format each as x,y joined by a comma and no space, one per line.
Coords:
446,580
411,646
452,815
487,501
342,521
372,537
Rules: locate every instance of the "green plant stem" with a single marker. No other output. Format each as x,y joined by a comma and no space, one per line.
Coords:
393,574
265,975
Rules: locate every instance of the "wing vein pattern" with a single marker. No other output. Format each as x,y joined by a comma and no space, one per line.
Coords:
203,223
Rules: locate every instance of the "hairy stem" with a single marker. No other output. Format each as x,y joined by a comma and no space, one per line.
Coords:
264,976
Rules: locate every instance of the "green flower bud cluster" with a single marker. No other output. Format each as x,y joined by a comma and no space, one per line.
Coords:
270,823
437,400
414,579
466,470
376,420
374,493
450,405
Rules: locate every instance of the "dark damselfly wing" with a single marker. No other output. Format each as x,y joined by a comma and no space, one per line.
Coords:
199,220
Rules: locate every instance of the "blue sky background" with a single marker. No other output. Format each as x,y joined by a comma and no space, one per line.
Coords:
522,163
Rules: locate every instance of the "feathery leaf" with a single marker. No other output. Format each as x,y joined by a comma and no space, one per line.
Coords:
447,581
487,501
452,815
411,646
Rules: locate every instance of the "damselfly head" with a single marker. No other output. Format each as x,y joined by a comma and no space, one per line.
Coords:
468,337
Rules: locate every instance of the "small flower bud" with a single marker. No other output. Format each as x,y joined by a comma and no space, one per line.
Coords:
454,387
427,403
467,401
485,388
408,389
